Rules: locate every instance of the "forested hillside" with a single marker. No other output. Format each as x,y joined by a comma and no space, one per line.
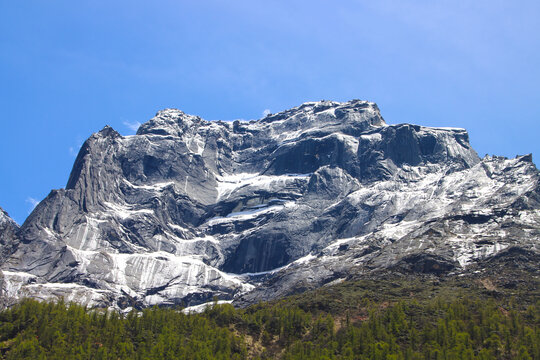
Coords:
383,319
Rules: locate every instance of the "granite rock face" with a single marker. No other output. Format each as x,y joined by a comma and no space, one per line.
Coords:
9,240
190,209
8,235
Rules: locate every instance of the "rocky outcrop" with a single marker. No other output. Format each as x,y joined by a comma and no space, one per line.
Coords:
9,240
190,209
8,235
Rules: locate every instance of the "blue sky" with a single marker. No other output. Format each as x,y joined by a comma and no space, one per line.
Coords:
68,68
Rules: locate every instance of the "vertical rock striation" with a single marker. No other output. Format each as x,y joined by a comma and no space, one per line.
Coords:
188,209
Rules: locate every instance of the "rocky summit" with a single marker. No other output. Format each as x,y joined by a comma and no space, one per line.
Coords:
189,209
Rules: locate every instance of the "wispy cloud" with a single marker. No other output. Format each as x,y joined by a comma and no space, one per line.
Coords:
266,112
33,203
74,150
132,125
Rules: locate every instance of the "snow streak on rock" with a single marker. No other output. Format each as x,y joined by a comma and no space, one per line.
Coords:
190,209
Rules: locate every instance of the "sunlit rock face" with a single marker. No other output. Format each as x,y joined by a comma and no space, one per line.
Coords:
8,235
189,209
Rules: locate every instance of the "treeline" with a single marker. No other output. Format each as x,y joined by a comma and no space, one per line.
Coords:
468,328
34,330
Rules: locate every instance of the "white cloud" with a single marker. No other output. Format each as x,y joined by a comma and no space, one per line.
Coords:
266,112
33,203
74,150
133,126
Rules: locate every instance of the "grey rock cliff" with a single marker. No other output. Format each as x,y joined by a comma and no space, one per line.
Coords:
189,209
8,235
9,240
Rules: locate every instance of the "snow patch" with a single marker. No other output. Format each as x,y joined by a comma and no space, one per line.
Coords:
196,309
374,137
250,214
229,183
125,211
153,187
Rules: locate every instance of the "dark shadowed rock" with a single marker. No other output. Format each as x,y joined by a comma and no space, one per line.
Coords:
189,209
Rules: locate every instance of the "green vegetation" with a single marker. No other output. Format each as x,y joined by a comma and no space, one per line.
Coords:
352,320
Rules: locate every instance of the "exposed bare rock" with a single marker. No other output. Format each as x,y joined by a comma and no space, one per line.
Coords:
189,209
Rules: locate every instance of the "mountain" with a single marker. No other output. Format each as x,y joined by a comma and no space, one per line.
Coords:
189,209
8,243
8,235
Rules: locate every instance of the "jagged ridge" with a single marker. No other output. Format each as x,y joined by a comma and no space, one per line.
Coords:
188,209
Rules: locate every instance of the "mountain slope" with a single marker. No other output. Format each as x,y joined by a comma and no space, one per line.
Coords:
189,209
8,235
